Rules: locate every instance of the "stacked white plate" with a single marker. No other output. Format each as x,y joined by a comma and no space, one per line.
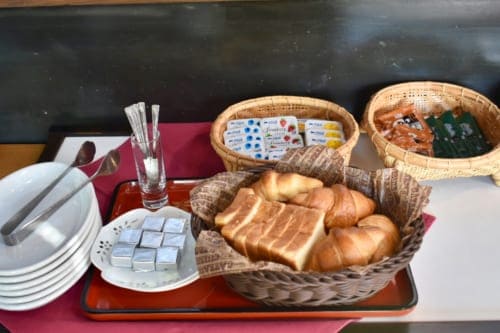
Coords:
56,255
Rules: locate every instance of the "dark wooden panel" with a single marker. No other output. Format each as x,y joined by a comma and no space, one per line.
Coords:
64,66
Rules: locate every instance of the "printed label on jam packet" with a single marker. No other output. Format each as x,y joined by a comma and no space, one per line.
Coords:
302,124
320,140
238,140
326,133
284,141
276,153
254,150
280,124
235,123
323,124
240,131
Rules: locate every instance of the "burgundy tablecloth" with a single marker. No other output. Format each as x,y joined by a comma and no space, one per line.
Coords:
188,154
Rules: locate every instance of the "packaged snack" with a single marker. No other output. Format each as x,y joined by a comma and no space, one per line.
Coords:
318,124
167,258
285,140
326,133
175,225
235,123
286,124
153,223
151,239
174,239
241,131
406,128
121,255
247,150
130,236
239,140
302,124
441,144
319,140
276,153
473,133
144,260
456,135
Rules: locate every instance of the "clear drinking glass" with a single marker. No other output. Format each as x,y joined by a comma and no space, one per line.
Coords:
150,167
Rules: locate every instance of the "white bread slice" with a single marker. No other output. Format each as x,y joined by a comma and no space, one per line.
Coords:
243,203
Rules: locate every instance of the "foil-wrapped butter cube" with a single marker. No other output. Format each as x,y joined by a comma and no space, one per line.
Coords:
176,240
175,225
121,255
153,223
130,236
151,239
167,258
144,260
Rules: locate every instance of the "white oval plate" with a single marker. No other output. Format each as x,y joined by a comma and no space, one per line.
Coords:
100,254
59,232
44,281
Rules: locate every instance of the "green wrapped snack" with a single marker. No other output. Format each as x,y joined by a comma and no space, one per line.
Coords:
473,133
442,143
456,134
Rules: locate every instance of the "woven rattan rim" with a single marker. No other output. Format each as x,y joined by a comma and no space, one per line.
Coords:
415,159
240,110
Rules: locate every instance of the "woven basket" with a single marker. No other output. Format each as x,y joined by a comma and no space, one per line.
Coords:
433,98
348,286
273,106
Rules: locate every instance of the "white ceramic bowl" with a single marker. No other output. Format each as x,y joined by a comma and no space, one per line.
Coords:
56,235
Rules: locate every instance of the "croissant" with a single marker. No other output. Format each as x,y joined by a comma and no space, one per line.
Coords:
274,186
345,247
343,207
393,239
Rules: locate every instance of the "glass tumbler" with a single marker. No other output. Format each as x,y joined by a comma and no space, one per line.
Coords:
150,167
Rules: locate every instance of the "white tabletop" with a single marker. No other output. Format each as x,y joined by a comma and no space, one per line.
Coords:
457,270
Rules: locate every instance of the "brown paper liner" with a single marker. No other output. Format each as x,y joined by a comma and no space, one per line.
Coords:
397,195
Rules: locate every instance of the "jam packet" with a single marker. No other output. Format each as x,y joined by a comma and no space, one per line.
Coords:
319,124
235,123
241,131
286,124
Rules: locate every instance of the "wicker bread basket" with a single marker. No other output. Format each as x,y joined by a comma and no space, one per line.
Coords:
292,288
273,106
433,98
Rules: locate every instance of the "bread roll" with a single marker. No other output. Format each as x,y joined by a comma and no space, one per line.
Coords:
274,186
343,207
392,240
357,245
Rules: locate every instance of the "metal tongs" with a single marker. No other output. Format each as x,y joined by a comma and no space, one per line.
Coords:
14,234
85,155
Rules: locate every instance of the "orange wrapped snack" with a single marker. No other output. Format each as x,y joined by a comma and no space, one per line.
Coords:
406,128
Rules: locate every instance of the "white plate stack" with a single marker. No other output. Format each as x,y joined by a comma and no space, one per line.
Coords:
56,255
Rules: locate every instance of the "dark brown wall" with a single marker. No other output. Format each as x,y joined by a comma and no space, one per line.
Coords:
82,65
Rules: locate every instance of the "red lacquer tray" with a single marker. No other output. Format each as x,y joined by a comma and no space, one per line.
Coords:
211,298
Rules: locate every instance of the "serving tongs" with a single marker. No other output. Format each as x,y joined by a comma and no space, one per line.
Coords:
14,233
